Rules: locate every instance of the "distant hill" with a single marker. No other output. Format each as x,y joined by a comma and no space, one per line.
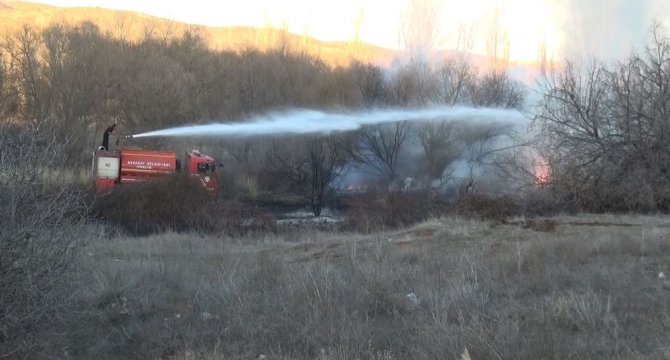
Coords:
133,26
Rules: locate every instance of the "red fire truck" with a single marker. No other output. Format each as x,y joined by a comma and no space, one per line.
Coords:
130,165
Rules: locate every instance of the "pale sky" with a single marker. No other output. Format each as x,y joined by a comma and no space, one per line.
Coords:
598,27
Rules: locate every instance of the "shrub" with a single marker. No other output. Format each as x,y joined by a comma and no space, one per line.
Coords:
380,210
246,186
39,238
540,201
487,207
176,202
543,225
236,217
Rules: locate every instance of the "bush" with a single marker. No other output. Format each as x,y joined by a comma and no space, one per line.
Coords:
541,201
236,217
175,202
39,238
246,186
380,210
487,207
178,203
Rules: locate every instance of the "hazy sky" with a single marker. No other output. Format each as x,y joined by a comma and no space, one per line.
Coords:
606,28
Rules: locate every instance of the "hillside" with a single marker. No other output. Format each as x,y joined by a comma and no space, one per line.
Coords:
133,26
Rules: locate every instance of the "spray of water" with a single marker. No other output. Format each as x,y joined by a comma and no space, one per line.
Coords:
313,121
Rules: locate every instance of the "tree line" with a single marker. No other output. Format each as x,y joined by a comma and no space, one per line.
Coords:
72,82
602,129
78,79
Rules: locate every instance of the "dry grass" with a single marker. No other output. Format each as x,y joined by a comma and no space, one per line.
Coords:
480,291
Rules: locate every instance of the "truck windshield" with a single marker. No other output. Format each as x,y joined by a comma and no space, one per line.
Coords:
205,168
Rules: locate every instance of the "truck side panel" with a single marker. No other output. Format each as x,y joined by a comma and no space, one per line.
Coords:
139,165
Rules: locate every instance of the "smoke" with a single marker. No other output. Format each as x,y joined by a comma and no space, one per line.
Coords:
463,154
609,28
321,122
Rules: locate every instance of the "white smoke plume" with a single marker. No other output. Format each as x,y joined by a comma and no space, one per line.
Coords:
608,29
314,122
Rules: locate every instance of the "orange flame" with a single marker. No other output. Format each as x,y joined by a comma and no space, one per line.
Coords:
542,173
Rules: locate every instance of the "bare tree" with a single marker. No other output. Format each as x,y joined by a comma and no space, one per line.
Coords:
379,146
608,129
5,97
371,84
465,38
420,31
497,89
122,26
156,90
311,165
23,49
440,144
425,80
337,87
357,46
480,144
453,78
497,42
404,87
576,111
77,71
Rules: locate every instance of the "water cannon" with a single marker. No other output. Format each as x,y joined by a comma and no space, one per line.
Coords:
128,137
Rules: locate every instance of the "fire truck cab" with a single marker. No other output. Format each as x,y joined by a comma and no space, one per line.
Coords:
203,167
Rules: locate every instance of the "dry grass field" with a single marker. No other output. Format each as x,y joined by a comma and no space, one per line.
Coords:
569,287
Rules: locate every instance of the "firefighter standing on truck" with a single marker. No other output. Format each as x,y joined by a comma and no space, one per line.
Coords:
105,137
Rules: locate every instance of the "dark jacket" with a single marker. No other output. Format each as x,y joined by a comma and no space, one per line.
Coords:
105,137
